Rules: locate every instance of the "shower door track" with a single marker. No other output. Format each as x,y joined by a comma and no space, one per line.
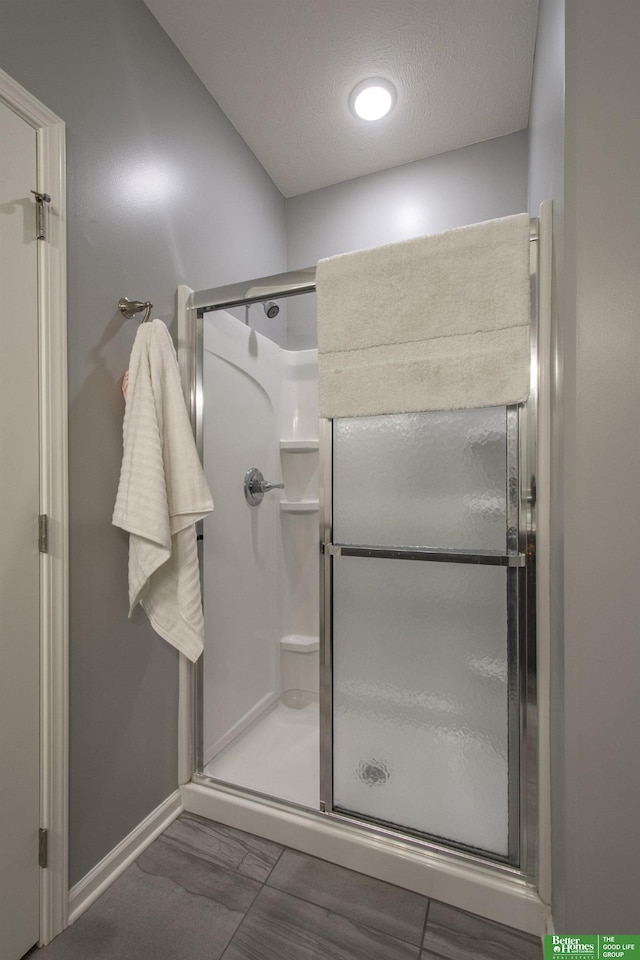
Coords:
493,890
292,283
454,852
519,868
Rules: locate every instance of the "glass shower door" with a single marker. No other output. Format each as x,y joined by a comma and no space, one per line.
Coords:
425,577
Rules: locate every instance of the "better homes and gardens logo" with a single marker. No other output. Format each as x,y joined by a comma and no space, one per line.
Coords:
594,948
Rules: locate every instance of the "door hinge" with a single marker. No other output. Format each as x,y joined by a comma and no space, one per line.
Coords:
41,214
43,848
43,533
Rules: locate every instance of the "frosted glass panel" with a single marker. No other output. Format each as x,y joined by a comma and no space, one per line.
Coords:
434,479
420,726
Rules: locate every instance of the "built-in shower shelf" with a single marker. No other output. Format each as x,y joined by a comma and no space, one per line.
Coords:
299,446
299,506
300,643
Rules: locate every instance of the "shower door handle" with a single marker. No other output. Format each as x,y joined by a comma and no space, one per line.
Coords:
255,486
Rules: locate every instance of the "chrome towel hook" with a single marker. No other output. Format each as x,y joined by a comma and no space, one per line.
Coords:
129,308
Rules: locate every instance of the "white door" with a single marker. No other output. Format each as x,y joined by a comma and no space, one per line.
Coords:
19,557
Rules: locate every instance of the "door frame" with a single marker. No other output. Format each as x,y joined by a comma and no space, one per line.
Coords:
54,564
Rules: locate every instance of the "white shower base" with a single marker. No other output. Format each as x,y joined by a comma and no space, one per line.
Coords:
478,888
277,755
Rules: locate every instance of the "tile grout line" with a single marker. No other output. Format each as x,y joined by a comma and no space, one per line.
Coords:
443,956
250,908
251,905
225,868
233,935
514,932
329,912
424,927
275,864
337,913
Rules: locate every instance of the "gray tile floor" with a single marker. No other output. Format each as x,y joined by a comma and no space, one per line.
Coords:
203,891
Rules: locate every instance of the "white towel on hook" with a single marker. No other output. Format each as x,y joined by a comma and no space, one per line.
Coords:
162,493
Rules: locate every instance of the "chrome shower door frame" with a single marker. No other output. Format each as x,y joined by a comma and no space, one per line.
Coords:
515,562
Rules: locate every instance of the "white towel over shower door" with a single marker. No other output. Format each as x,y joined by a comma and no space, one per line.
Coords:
19,557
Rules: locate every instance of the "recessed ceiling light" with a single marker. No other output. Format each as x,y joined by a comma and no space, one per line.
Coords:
372,99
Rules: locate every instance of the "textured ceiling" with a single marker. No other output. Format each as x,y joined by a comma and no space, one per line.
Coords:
282,71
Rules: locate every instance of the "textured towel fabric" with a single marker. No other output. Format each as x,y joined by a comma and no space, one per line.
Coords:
435,323
161,494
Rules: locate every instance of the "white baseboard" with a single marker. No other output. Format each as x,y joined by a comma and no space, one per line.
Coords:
83,894
505,898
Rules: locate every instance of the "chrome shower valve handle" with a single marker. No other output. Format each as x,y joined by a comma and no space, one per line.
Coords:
255,486
265,485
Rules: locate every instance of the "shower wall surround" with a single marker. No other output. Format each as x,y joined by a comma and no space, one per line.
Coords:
260,562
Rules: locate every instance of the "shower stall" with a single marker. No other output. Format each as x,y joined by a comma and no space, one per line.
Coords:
369,674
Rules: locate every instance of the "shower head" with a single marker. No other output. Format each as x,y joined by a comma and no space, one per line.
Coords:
271,309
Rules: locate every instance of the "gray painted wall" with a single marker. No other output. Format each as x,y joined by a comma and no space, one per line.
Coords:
162,191
453,189
602,469
546,115
585,154
480,182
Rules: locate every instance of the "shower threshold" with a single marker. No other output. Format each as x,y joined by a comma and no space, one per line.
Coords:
277,755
